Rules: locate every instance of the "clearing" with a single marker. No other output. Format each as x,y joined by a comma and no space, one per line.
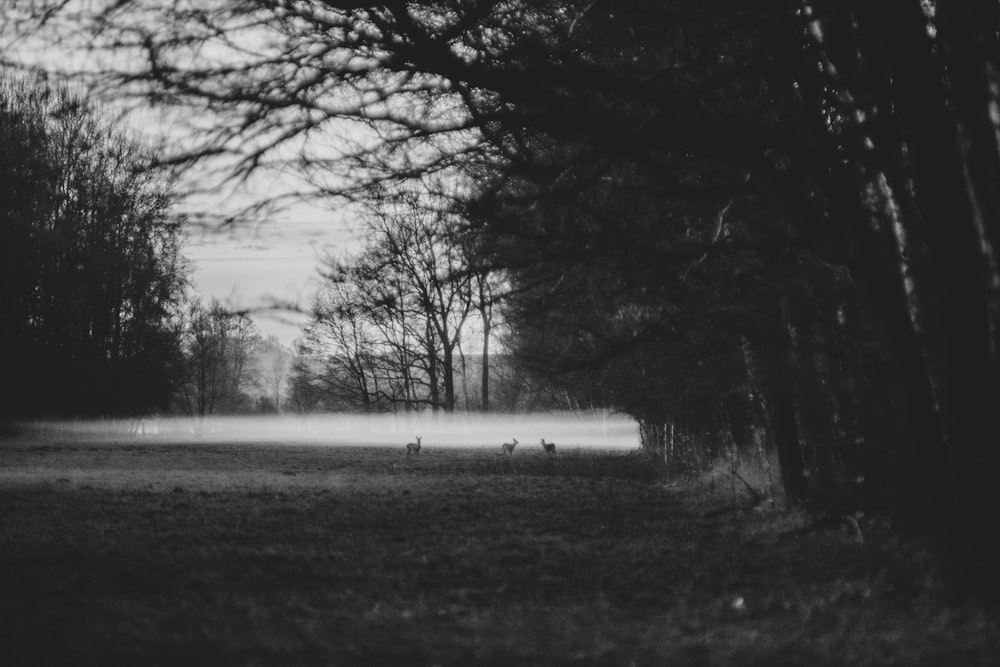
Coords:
215,553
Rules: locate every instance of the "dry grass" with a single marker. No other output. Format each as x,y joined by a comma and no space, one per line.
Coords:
271,554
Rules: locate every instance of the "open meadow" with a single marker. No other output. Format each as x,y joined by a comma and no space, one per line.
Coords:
159,552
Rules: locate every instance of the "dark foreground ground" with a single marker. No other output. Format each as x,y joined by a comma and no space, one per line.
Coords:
159,554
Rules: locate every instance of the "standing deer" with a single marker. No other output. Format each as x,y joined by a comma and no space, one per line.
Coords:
508,447
549,447
413,447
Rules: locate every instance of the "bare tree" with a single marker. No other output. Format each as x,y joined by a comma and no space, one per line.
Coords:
343,96
272,364
344,344
393,319
412,240
218,347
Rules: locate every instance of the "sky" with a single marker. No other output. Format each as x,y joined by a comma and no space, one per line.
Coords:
252,265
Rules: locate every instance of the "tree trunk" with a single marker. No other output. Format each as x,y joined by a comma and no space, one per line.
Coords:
486,362
784,421
956,282
447,368
971,383
432,367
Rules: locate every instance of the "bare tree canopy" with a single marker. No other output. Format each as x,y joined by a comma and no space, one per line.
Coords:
344,95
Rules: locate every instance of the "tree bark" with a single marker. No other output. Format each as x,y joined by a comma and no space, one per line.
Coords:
485,307
784,421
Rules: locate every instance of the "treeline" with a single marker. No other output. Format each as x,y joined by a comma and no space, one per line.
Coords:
411,322
90,270
99,319
96,315
226,366
769,219
753,224
320,382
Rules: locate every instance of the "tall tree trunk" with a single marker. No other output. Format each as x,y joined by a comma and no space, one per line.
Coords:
955,282
784,421
448,370
432,367
487,325
971,49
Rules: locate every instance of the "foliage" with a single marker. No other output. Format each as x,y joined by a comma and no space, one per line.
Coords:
90,272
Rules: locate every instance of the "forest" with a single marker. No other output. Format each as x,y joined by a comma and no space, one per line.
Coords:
754,226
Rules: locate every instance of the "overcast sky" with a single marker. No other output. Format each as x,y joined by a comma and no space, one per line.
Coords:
249,266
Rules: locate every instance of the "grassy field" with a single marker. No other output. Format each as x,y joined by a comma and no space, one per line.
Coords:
155,553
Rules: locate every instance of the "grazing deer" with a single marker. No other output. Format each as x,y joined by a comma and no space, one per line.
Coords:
508,447
549,447
413,447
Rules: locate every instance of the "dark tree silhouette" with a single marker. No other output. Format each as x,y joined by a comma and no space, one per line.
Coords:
90,274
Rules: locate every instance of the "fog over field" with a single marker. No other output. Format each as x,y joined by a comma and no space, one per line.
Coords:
598,429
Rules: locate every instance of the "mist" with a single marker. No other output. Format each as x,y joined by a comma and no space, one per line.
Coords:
590,429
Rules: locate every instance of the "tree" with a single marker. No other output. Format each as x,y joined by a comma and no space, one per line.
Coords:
218,348
272,365
905,91
356,371
390,322
412,240
304,393
91,274
485,296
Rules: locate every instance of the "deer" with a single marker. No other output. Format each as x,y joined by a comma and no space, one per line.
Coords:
508,447
413,447
549,447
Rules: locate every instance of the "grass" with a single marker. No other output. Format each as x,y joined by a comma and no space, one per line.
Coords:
158,553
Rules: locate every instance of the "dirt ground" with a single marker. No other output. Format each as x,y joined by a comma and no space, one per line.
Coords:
154,553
